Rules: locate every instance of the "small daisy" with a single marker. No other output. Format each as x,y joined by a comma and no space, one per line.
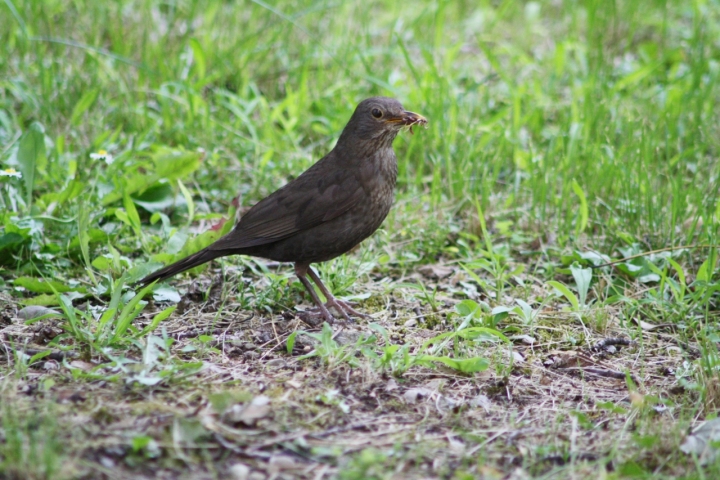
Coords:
102,154
10,172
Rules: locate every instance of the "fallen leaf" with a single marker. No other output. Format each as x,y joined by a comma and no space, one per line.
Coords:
481,401
166,294
649,327
275,363
239,471
526,339
412,395
249,414
82,365
456,446
703,442
35,311
437,272
279,463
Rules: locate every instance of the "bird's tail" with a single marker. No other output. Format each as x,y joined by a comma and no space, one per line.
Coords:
180,266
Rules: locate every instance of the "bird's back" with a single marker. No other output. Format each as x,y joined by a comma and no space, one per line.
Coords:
321,214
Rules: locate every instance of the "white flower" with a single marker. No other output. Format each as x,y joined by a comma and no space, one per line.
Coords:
10,172
102,154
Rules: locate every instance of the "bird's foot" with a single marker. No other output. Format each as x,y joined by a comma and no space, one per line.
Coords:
344,308
313,316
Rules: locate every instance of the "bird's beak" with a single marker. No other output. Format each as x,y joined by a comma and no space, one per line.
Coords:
408,119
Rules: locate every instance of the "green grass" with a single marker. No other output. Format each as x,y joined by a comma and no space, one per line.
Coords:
560,133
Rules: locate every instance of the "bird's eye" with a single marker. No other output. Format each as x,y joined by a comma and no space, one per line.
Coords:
376,113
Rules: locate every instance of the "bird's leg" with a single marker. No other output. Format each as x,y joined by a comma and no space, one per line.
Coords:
343,307
301,272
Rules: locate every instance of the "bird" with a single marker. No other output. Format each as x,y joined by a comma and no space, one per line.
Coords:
327,210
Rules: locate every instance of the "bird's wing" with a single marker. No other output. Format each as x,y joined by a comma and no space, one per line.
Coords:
309,200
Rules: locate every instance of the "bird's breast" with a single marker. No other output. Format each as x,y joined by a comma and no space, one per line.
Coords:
379,172
378,177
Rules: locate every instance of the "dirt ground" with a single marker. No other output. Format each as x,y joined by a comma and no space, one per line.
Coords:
562,395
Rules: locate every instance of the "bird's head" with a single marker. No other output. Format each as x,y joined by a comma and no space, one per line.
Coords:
378,120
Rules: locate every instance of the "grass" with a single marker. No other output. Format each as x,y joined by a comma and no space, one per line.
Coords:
562,135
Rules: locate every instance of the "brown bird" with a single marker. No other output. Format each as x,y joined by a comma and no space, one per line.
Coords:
329,209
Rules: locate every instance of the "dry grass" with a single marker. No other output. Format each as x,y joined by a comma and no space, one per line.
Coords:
558,400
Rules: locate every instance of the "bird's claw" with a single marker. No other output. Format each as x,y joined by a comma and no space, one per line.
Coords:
320,311
312,318
344,308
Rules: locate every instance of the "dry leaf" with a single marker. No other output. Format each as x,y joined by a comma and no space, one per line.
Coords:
279,463
34,311
437,272
648,327
481,401
456,446
412,395
82,365
526,339
250,413
239,471
700,441
275,363
258,408
391,385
